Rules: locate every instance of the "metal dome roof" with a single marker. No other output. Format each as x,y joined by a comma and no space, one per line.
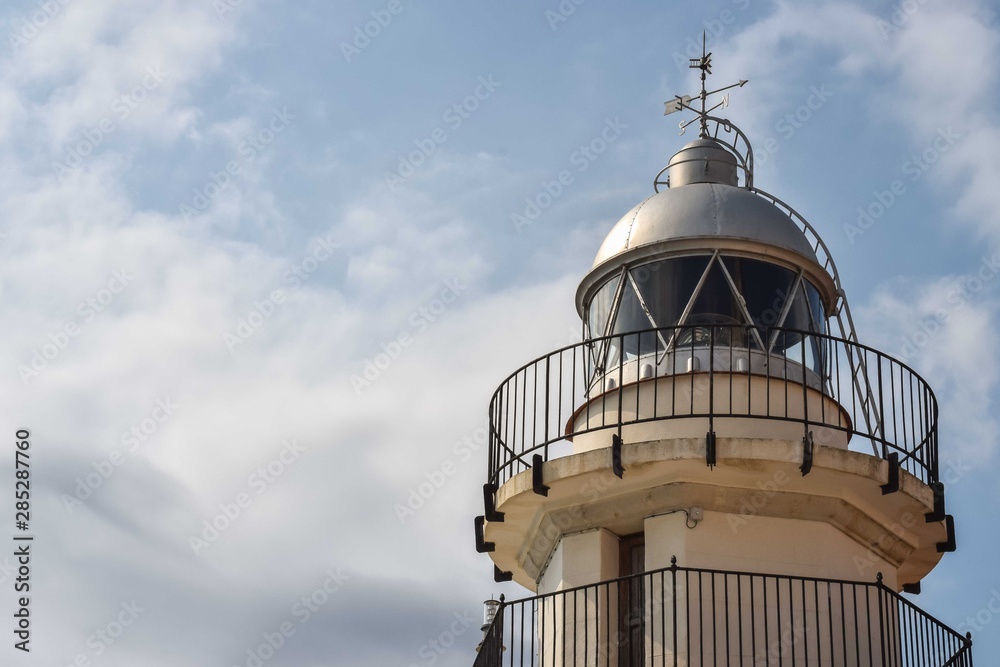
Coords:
704,211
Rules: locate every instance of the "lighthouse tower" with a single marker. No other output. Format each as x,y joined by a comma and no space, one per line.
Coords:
721,473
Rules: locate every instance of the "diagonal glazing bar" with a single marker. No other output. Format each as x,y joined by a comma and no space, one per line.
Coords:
742,303
600,360
789,300
645,308
689,307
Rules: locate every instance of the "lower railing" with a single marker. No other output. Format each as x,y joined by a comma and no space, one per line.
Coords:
685,616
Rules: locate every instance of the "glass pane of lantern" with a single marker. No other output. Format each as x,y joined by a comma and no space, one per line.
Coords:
803,349
715,317
667,286
598,312
600,308
818,324
765,288
716,303
630,318
816,308
798,315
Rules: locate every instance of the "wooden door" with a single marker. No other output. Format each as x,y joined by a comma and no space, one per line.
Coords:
631,601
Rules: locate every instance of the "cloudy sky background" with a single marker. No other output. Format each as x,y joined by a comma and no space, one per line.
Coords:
167,166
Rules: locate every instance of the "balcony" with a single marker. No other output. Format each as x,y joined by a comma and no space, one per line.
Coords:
684,616
715,379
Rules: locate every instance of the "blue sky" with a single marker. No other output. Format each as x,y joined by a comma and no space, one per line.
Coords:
202,192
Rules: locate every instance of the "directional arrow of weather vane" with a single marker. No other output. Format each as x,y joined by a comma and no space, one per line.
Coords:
704,63
683,102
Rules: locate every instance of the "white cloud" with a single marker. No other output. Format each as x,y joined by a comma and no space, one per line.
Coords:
937,69
946,329
81,63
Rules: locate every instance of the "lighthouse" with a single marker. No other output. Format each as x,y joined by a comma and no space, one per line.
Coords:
721,472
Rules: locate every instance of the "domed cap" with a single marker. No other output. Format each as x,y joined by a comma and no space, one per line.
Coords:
702,161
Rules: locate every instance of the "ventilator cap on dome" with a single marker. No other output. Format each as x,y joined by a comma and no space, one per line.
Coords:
702,161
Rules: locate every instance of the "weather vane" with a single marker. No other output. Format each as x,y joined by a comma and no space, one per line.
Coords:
683,101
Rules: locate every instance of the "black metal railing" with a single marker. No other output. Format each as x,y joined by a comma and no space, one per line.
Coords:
826,384
682,616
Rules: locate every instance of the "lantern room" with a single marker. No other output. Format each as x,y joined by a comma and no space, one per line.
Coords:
711,260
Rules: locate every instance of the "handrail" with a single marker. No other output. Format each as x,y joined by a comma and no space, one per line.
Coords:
685,615
570,391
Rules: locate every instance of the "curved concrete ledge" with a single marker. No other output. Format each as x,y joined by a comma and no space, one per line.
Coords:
753,477
747,406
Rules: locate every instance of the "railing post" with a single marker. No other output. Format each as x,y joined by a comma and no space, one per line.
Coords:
492,453
673,597
805,384
498,637
711,376
881,403
547,359
934,472
880,588
621,391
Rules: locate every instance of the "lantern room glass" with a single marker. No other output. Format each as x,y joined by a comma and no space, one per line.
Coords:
736,301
